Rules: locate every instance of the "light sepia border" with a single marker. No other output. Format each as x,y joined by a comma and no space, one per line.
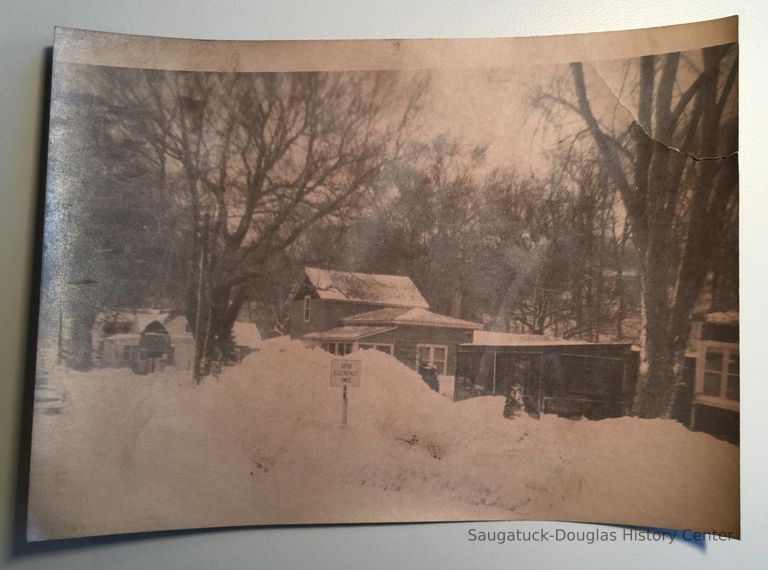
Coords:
125,50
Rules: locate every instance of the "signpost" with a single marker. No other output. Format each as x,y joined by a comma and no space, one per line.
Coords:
345,373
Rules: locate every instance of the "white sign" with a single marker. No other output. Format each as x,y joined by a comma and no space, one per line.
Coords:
346,372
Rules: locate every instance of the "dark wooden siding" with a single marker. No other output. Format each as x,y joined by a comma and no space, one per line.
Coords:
327,314
720,333
717,421
408,337
334,311
591,380
381,338
324,314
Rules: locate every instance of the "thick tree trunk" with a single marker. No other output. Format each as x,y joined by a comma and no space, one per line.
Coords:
674,202
664,339
226,305
655,350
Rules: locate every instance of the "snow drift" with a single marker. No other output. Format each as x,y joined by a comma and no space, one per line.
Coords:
115,452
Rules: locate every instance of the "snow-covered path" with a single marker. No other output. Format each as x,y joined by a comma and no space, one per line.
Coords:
263,445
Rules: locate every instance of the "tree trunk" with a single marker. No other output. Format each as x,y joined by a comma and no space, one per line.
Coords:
456,301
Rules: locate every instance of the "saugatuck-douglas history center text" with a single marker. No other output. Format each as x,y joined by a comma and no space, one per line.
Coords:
595,535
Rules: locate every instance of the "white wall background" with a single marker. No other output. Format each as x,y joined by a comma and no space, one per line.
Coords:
26,29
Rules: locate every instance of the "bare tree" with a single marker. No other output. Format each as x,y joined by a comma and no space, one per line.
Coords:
256,160
424,220
448,183
120,249
522,217
596,243
675,168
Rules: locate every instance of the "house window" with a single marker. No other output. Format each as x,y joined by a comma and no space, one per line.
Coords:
385,348
718,377
433,354
306,308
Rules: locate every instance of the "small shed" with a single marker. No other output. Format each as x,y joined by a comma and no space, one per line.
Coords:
154,341
566,377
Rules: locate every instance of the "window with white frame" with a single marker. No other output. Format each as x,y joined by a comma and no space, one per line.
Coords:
433,354
306,308
717,378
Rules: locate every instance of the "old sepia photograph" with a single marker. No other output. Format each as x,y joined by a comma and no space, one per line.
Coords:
389,281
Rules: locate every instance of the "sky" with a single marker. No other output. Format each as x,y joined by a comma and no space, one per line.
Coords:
495,108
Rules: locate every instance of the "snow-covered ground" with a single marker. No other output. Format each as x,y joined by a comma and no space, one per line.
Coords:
115,452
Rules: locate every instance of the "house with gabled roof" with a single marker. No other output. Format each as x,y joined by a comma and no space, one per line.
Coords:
344,311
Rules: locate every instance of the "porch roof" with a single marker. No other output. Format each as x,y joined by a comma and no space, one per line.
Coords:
347,333
410,316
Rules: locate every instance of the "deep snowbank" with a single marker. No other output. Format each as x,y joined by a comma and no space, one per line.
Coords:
263,445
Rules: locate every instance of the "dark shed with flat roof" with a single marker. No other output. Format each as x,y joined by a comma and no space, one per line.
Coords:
564,377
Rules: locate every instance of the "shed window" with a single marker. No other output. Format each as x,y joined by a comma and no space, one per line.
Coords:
306,308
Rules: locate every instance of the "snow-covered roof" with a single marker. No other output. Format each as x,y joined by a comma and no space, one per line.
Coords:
280,339
139,319
410,316
177,325
246,334
490,338
348,333
142,320
396,290
123,336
